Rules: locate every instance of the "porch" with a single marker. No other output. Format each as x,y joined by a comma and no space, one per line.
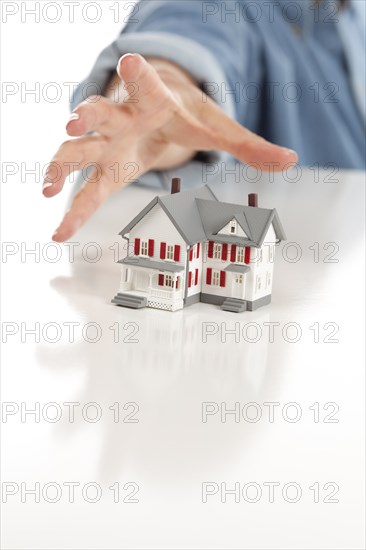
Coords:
160,286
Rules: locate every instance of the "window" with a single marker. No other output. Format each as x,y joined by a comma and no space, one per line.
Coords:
240,255
271,253
167,251
239,278
169,281
258,282
196,251
144,250
166,280
233,227
170,252
216,278
217,251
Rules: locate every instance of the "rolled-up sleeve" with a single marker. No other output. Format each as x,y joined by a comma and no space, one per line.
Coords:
188,33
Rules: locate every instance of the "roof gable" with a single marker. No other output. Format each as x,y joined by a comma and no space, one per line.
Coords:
139,217
255,221
225,230
198,215
181,208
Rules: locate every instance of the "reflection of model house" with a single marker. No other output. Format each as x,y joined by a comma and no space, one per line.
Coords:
188,247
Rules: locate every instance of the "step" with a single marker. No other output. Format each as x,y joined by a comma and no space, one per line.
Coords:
132,305
129,300
234,300
234,305
233,309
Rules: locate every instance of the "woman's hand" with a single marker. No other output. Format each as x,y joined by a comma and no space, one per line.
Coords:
159,124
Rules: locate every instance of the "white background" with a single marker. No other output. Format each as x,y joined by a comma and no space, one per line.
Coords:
170,370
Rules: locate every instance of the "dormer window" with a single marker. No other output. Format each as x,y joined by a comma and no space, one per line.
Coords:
233,227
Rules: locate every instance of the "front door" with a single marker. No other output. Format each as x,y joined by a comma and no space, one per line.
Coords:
141,281
238,286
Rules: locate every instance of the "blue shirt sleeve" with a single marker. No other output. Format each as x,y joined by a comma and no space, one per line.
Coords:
191,34
291,71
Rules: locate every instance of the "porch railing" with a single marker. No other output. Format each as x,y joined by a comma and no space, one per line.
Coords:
168,294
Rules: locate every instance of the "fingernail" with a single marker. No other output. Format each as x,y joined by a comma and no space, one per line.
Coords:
129,54
46,185
55,233
125,56
73,116
291,151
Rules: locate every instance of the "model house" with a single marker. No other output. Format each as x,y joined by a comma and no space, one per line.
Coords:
189,247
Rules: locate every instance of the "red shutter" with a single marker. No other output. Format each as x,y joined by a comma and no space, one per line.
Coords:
161,279
196,277
191,255
190,279
233,253
198,249
137,247
208,276
210,249
224,252
176,253
151,247
162,251
247,255
222,278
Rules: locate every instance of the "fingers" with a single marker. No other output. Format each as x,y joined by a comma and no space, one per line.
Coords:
84,204
253,149
96,189
224,133
72,156
147,92
144,93
97,114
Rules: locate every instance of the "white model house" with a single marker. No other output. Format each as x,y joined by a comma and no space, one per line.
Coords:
188,247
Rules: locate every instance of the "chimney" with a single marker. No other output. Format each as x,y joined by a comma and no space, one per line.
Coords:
252,199
175,185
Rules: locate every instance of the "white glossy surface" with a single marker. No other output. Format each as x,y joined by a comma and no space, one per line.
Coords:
169,372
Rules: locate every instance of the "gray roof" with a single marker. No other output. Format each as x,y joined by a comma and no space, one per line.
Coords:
255,221
198,215
145,262
235,268
182,209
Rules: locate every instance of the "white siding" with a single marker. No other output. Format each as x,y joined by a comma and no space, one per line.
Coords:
192,266
157,225
258,281
216,265
261,269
